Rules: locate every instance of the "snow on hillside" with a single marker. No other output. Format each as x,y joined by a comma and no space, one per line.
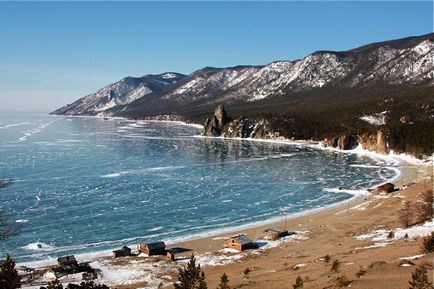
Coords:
119,93
375,119
411,62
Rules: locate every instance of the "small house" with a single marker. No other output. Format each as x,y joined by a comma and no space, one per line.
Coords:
174,254
123,252
386,188
275,233
240,243
157,248
67,263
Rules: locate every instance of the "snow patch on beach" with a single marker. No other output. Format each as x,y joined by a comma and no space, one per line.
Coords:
412,257
380,237
353,192
213,259
227,255
134,272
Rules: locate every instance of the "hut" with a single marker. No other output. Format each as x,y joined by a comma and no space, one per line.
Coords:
67,263
174,254
122,252
386,188
275,233
157,248
239,242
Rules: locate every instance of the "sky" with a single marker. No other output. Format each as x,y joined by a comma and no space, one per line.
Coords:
53,53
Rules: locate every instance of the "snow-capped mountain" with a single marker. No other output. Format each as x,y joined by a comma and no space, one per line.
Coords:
119,93
402,62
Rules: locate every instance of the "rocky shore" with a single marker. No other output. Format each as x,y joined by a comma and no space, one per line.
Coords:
221,125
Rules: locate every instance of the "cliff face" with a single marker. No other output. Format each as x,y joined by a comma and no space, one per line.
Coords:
375,142
221,125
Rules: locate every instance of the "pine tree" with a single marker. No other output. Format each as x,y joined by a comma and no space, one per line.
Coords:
298,283
419,279
88,281
224,282
9,278
55,284
191,277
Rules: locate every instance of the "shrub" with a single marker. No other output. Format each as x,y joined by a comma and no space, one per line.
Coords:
391,235
335,266
361,272
419,279
425,208
428,243
327,258
406,214
342,281
298,283
246,273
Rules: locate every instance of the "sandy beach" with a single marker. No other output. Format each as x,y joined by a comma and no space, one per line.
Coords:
354,233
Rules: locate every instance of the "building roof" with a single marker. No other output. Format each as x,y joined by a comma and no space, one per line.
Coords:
156,245
241,239
275,230
67,259
124,248
387,185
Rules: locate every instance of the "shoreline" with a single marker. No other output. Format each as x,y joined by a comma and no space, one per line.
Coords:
209,253
211,242
397,166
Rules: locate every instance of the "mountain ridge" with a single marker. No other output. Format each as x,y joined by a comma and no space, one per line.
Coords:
322,95
405,61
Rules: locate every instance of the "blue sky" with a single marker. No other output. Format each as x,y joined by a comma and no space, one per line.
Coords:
52,53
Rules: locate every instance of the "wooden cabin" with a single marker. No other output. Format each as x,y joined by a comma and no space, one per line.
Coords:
275,234
123,252
240,243
157,248
386,188
67,263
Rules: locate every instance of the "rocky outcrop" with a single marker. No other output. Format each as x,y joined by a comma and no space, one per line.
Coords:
214,125
375,142
260,130
343,142
240,127
221,125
